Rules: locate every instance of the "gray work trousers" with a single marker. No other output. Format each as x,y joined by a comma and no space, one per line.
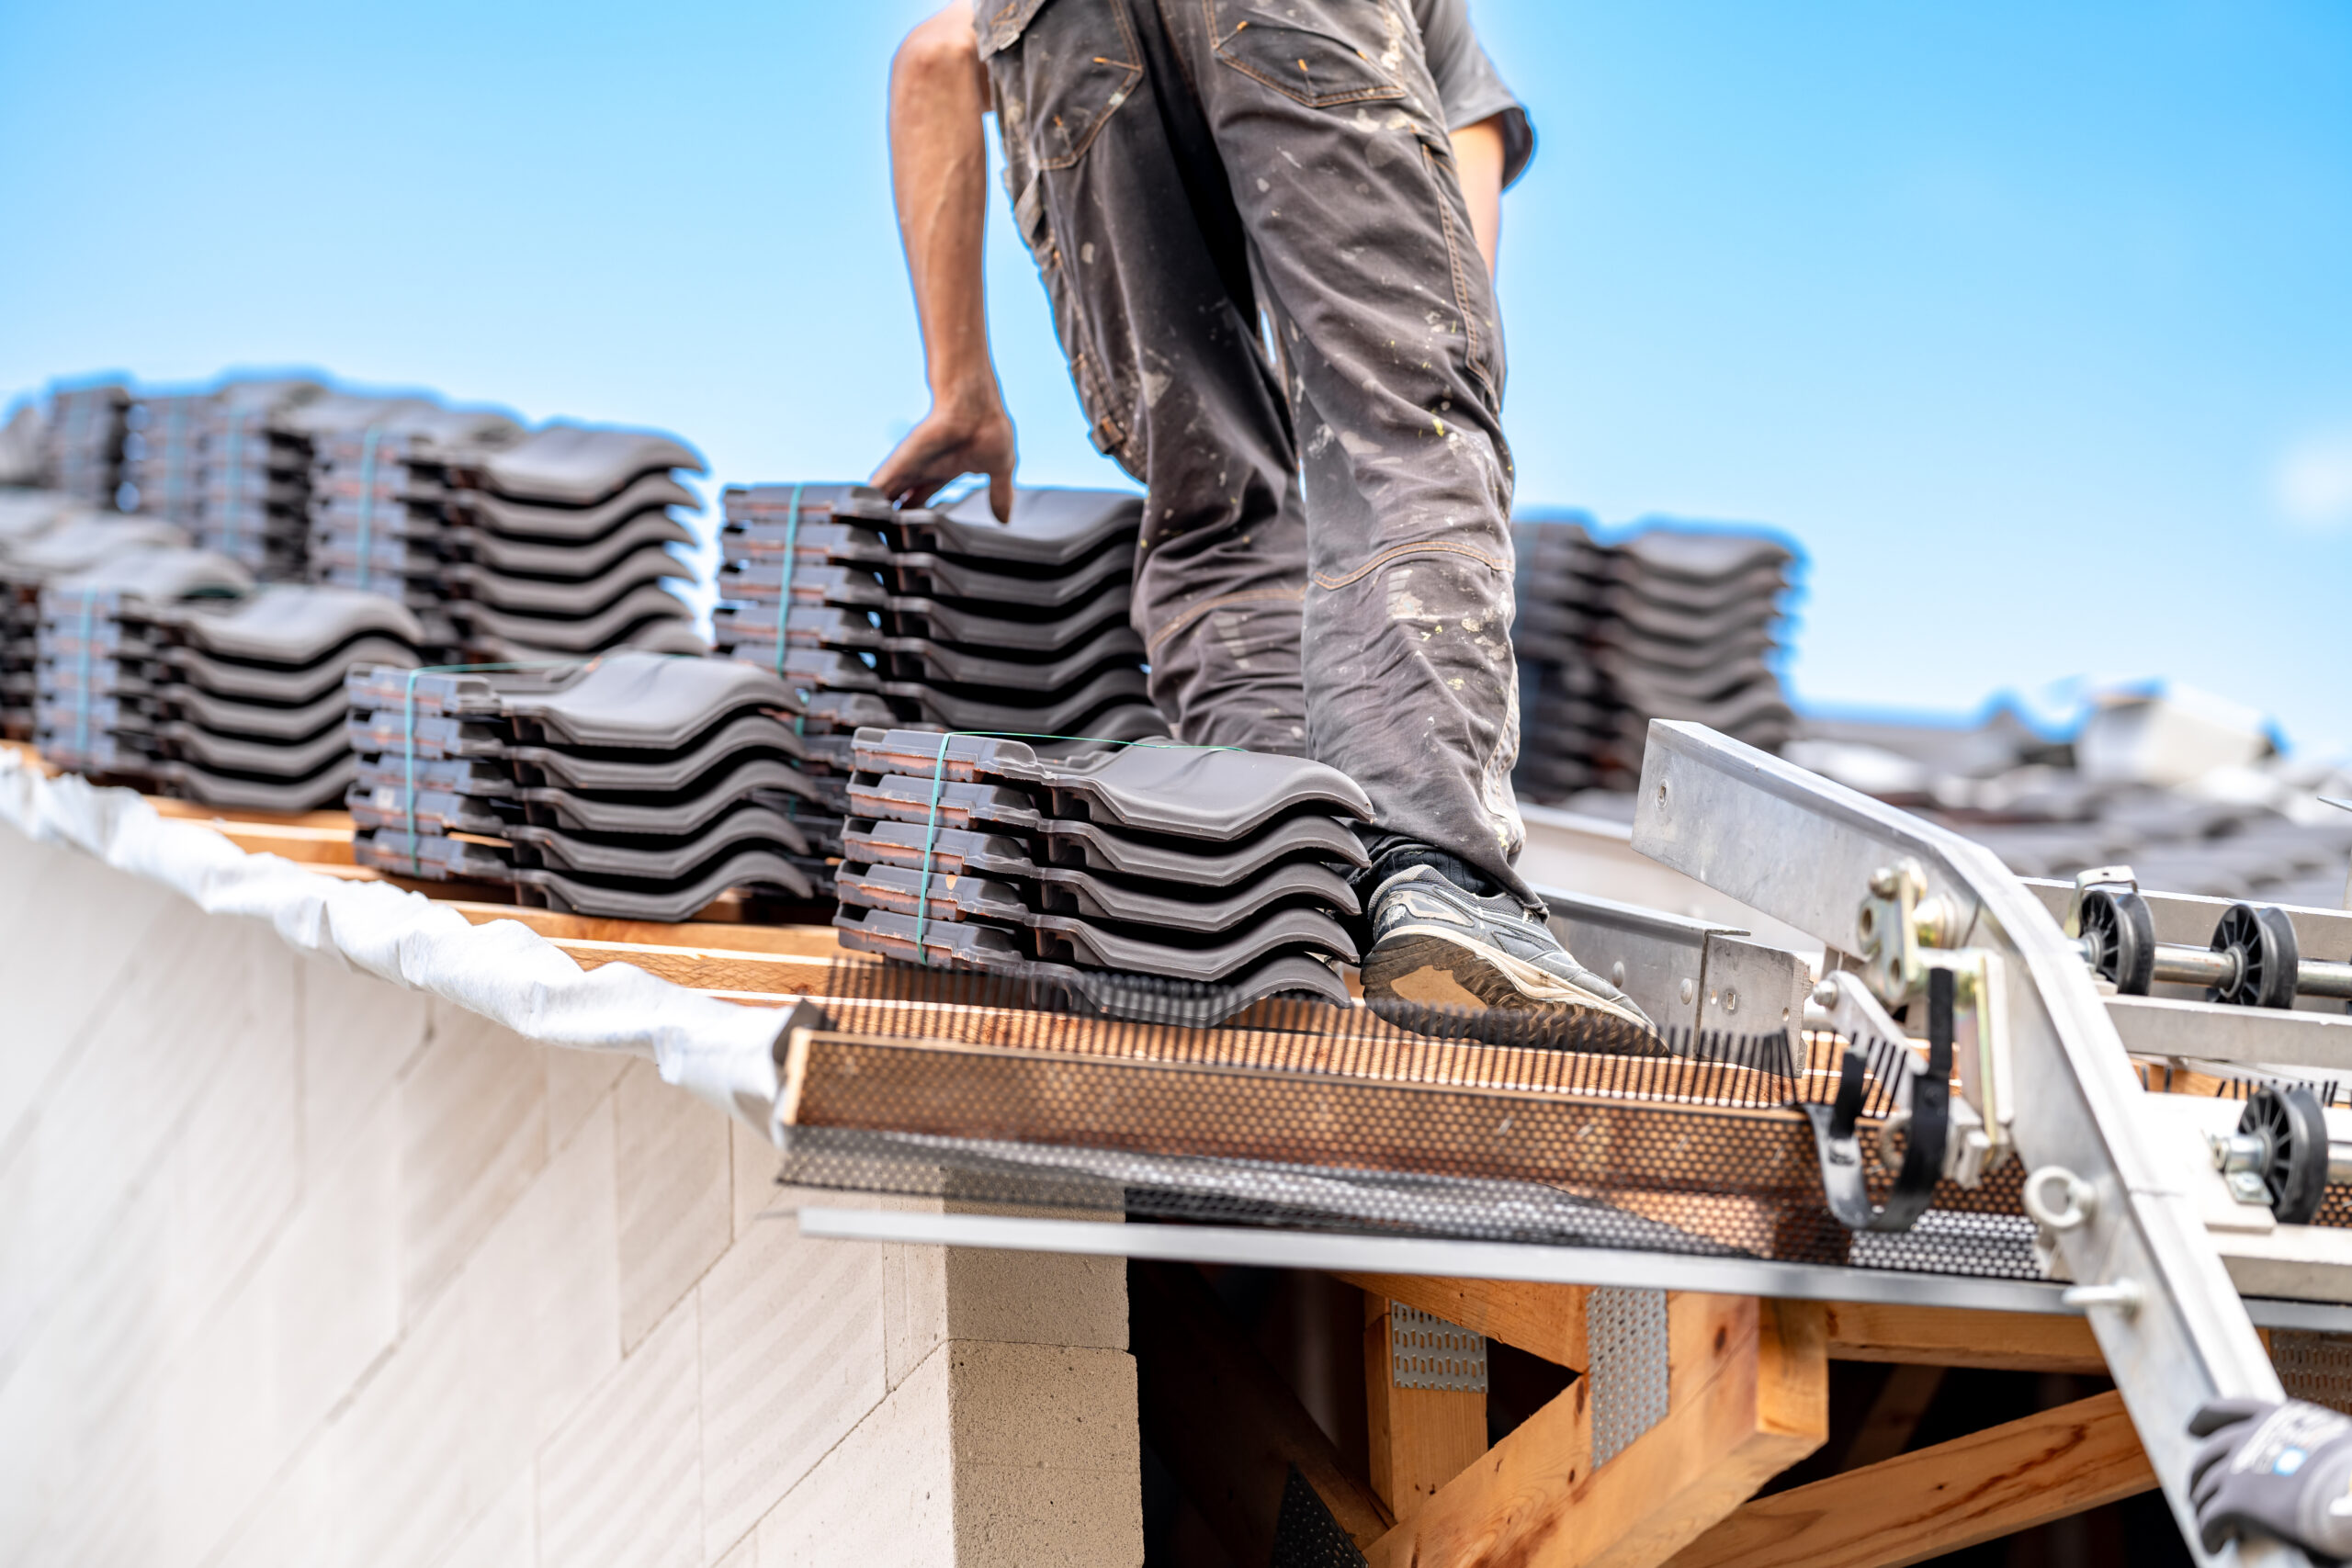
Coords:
1263,274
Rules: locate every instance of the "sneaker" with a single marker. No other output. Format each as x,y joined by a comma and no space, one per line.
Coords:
1433,943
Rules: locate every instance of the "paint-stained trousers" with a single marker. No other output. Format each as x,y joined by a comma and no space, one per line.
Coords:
1263,274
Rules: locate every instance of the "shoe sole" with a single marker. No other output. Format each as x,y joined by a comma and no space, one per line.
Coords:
1434,967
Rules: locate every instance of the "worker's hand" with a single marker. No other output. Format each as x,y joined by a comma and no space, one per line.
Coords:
2279,1469
953,440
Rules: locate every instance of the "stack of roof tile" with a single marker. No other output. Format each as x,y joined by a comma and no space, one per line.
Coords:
162,455
634,785
1219,865
1670,623
938,618
251,694
565,541
101,675
86,432
45,536
382,511
252,477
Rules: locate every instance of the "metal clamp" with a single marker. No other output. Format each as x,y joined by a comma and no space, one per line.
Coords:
1839,1147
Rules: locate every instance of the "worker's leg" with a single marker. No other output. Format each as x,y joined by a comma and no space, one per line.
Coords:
1115,186
1326,118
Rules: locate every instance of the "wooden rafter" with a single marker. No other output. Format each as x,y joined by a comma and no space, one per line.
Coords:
1420,1438
1955,1336
1749,1395
1940,1499
1543,1320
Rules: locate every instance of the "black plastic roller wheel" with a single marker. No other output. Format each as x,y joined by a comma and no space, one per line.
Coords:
2289,1120
2120,936
2264,940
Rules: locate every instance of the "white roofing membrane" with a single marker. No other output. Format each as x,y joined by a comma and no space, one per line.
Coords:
720,1052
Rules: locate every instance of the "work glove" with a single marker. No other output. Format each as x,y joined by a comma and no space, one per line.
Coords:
2280,1468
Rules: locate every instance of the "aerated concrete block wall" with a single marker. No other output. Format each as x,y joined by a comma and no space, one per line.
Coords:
297,1268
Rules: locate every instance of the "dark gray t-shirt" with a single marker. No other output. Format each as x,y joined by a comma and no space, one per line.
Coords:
1468,87
1467,82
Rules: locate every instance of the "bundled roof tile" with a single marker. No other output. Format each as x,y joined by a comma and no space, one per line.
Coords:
251,698
99,679
45,535
562,540
1038,860
253,475
86,432
634,785
1670,623
938,618
162,455
382,516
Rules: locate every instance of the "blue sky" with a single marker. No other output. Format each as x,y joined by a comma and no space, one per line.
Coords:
2033,323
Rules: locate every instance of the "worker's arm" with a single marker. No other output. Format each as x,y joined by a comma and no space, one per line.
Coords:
939,165
1478,163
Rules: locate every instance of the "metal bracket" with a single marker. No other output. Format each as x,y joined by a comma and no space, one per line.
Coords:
1626,1339
1425,1351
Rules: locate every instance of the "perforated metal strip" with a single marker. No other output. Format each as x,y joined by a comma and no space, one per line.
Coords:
1429,1352
1625,1331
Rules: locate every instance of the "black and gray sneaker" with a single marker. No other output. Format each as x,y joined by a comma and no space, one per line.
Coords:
1435,944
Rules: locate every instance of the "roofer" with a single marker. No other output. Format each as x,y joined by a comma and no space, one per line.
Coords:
1268,230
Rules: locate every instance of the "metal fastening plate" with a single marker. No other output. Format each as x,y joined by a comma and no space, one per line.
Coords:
1625,1336
1429,1352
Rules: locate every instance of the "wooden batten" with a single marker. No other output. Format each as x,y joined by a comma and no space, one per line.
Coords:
1940,1499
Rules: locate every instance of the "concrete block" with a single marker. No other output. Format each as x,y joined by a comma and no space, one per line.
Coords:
676,1213
74,929
755,1162
233,1175
884,1498
542,1302
295,1525
473,1118
332,1285
505,1536
938,1294
128,1091
359,1034
402,1461
620,1485
1047,1458
792,1356
578,1082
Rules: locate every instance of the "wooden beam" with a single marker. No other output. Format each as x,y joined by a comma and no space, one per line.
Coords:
1973,1489
1747,1396
1543,1320
1225,1422
1950,1336
1421,1437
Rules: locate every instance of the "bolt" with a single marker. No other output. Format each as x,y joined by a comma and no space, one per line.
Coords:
1884,881
1617,973
1731,999
1687,991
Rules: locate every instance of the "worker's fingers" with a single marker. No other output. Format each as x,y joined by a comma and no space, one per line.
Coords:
2206,1470
1000,495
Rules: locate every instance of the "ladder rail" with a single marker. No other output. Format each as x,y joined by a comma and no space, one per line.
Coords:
1802,849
